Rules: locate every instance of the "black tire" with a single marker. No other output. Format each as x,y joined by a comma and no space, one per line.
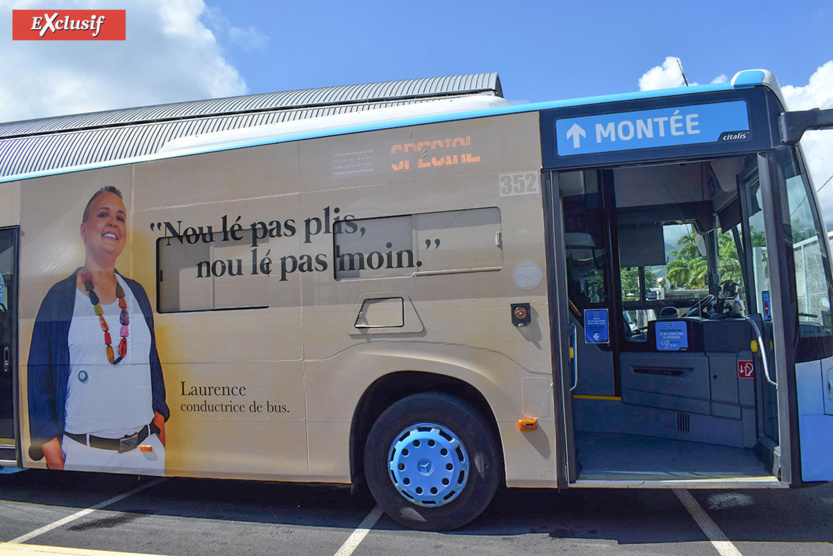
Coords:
461,420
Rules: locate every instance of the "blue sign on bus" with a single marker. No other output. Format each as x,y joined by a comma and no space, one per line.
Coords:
767,305
596,329
671,335
665,127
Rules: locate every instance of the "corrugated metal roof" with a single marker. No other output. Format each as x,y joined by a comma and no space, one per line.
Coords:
64,141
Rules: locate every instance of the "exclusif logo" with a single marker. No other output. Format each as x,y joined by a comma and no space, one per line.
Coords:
69,25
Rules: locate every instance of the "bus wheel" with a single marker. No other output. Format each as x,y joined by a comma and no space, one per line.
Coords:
431,462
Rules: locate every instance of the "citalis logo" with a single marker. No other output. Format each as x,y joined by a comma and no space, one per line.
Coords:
69,25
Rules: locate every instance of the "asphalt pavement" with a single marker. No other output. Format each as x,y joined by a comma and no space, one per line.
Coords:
78,513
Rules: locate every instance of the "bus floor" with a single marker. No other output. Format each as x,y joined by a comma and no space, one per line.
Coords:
621,457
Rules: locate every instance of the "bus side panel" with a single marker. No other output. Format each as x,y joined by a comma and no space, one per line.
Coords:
244,327
814,382
51,248
228,336
430,234
256,316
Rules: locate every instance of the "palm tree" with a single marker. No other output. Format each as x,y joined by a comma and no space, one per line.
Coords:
728,263
687,269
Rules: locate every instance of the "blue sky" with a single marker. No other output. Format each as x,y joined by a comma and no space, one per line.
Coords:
542,50
180,50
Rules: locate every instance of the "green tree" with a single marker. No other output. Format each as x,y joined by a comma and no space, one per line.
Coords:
630,282
687,269
728,263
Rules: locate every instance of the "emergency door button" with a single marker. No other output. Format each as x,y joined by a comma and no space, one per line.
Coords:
521,314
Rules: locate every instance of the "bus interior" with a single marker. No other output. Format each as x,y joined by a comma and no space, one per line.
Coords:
676,255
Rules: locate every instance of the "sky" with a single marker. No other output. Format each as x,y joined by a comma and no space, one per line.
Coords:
178,50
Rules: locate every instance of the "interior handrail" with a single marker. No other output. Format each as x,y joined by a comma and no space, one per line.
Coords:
763,351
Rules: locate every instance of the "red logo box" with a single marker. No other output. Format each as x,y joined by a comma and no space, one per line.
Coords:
69,25
746,369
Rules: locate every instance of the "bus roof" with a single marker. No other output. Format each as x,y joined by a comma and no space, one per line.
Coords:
51,146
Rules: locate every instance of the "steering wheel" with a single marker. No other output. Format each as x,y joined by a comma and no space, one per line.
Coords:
700,306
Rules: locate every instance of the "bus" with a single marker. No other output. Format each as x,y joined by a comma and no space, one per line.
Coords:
433,296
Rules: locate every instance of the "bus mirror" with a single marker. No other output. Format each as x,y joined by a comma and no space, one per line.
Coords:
641,246
794,124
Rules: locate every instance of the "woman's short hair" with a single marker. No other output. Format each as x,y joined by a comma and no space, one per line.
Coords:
105,189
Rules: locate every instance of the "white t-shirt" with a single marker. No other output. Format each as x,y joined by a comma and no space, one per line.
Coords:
108,400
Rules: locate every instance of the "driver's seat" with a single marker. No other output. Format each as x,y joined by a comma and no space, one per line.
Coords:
668,312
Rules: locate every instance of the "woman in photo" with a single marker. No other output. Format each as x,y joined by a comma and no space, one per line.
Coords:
96,391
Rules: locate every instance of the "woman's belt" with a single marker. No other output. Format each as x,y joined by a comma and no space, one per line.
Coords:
122,445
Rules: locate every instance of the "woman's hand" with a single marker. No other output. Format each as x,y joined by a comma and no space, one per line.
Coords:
159,421
53,454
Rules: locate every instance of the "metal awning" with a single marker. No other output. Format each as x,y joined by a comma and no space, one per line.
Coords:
64,141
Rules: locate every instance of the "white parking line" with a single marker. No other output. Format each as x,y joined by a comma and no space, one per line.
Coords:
360,533
82,513
718,539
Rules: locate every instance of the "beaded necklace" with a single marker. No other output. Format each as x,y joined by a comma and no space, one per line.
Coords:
124,318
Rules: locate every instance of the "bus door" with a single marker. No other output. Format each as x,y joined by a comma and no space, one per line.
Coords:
579,227
664,381
753,237
8,343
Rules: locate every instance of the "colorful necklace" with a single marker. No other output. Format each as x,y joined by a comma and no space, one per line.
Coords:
124,318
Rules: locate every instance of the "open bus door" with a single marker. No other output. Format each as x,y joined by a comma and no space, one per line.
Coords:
8,345
698,281
662,379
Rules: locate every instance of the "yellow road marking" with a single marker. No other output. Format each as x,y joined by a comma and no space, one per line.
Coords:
14,549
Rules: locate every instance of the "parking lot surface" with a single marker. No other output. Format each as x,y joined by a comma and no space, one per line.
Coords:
82,514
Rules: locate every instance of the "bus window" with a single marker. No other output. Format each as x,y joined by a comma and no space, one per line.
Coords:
427,243
586,249
810,253
729,265
760,266
663,290
197,273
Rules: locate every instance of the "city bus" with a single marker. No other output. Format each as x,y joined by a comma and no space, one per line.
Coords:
433,299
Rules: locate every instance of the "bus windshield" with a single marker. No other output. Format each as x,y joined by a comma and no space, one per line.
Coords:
690,242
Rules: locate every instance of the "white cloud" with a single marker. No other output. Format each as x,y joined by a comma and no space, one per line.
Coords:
169,56
818,93
670,75
817,145
667,76
248,38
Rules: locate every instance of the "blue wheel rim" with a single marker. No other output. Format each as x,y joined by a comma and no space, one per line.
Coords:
428,465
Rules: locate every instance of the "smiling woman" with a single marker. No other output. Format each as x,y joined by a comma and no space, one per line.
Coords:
92,404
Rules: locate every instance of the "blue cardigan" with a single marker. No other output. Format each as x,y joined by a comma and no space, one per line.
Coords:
49,366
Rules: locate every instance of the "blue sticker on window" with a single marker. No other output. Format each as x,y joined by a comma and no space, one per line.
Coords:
596,329
767,305
672,335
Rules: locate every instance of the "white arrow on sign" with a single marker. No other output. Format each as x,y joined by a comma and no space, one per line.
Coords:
596,336
575,133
